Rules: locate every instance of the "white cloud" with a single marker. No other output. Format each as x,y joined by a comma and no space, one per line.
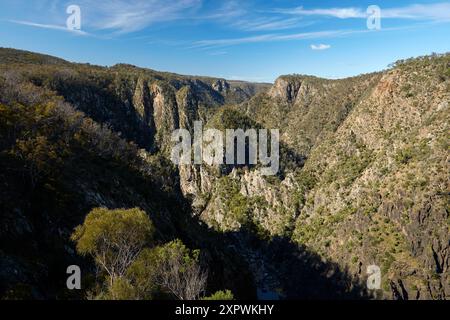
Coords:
320,46
229,10
240,15
218,53
342,13
49,26
124,16
274,37
434,11
267,24
232,41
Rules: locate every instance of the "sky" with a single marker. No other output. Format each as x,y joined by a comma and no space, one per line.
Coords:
253,40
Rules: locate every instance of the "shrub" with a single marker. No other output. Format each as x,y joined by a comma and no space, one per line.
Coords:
221,295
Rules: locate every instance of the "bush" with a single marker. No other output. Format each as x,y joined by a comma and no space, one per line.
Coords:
221,295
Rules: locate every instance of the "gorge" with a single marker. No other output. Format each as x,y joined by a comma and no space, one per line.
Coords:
363,178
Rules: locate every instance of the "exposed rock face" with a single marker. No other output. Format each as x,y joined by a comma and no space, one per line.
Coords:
143,104
285,89
374,189
187,108
221,86
165,113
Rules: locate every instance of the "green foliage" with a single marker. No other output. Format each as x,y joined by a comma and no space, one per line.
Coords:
110,231
173,267
387,262
416,150
121,289
321,225
141,275
114,238
220,295
447,73
229,117
342,215
237,206
58,163
306,180
176,250
349,167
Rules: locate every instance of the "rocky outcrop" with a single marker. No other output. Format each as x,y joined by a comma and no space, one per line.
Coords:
221,86
165,113
143,104
187,108
286,89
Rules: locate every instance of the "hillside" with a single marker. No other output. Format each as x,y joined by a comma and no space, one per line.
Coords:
364,176
372,185
76,137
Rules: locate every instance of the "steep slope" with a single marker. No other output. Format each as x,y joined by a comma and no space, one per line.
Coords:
57,163
374,188
308,108
381,194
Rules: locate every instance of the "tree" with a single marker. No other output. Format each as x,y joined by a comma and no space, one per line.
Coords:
178,271
114,238
141,276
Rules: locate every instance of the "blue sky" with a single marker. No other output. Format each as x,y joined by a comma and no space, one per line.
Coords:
252,40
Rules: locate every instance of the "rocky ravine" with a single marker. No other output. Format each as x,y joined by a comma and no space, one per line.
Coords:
375,186
364,176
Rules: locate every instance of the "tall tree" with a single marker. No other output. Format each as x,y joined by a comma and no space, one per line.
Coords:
114,238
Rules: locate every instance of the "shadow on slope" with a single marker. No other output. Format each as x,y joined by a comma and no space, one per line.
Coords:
291,272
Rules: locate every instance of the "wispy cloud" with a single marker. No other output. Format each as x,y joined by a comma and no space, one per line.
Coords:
342,13
320,47
433,11
123,16
436,11
274,37
270,24
118,17
230,9
241,16
218,53
49,26
232,41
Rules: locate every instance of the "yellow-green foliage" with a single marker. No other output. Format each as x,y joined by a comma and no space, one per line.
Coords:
321,225
221,295
237,207
120,241
178,251
107,232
